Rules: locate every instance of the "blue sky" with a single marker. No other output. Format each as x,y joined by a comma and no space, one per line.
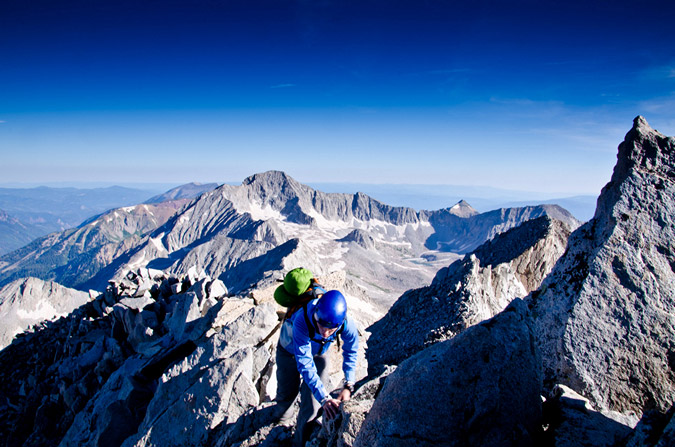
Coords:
526,95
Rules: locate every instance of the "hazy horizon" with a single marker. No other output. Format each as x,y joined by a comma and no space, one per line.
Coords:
416,196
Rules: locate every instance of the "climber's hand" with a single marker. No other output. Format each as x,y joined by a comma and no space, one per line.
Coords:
331,408
345,395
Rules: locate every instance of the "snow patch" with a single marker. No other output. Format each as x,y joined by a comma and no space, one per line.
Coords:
260,212
43,311
157,242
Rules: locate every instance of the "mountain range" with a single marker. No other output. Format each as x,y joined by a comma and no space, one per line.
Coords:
28,213
529,330
246,234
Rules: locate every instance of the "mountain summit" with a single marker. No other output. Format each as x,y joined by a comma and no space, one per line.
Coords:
463,209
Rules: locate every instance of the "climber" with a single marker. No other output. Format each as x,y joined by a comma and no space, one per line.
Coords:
303,353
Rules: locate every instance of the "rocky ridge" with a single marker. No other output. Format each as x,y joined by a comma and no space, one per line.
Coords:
36,212
73,256
154,360
470,290
50,372
187,191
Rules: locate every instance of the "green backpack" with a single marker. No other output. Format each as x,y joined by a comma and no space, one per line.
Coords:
299,288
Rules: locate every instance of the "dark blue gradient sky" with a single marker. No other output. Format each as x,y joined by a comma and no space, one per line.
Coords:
531,95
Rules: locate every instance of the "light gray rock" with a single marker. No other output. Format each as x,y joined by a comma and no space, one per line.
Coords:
343,430
137,304
113,415
217,289
144,288
221,391
29,301
199,289
361,238
213,385
155,275
185,310
605,315
480,388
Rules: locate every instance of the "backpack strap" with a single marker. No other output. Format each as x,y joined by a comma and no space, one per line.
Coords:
315,291
308,322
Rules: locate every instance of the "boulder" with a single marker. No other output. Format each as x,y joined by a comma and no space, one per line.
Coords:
217,289
137,303
144,288
480,388
199,288
155,275
185,310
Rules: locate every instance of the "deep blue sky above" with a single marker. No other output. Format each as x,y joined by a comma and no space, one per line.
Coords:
531,95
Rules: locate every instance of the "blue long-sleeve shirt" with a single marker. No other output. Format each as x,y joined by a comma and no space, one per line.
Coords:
304,349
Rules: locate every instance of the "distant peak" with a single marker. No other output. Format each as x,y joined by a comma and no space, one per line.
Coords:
462,209
269,177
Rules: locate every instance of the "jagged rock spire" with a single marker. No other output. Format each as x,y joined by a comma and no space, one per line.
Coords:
605,319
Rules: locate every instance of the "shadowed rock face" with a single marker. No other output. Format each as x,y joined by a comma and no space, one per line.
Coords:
480,388
605,314
469,291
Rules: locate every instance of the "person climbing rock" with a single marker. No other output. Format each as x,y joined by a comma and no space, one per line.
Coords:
316,320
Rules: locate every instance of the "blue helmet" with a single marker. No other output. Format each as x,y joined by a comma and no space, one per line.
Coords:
331,309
